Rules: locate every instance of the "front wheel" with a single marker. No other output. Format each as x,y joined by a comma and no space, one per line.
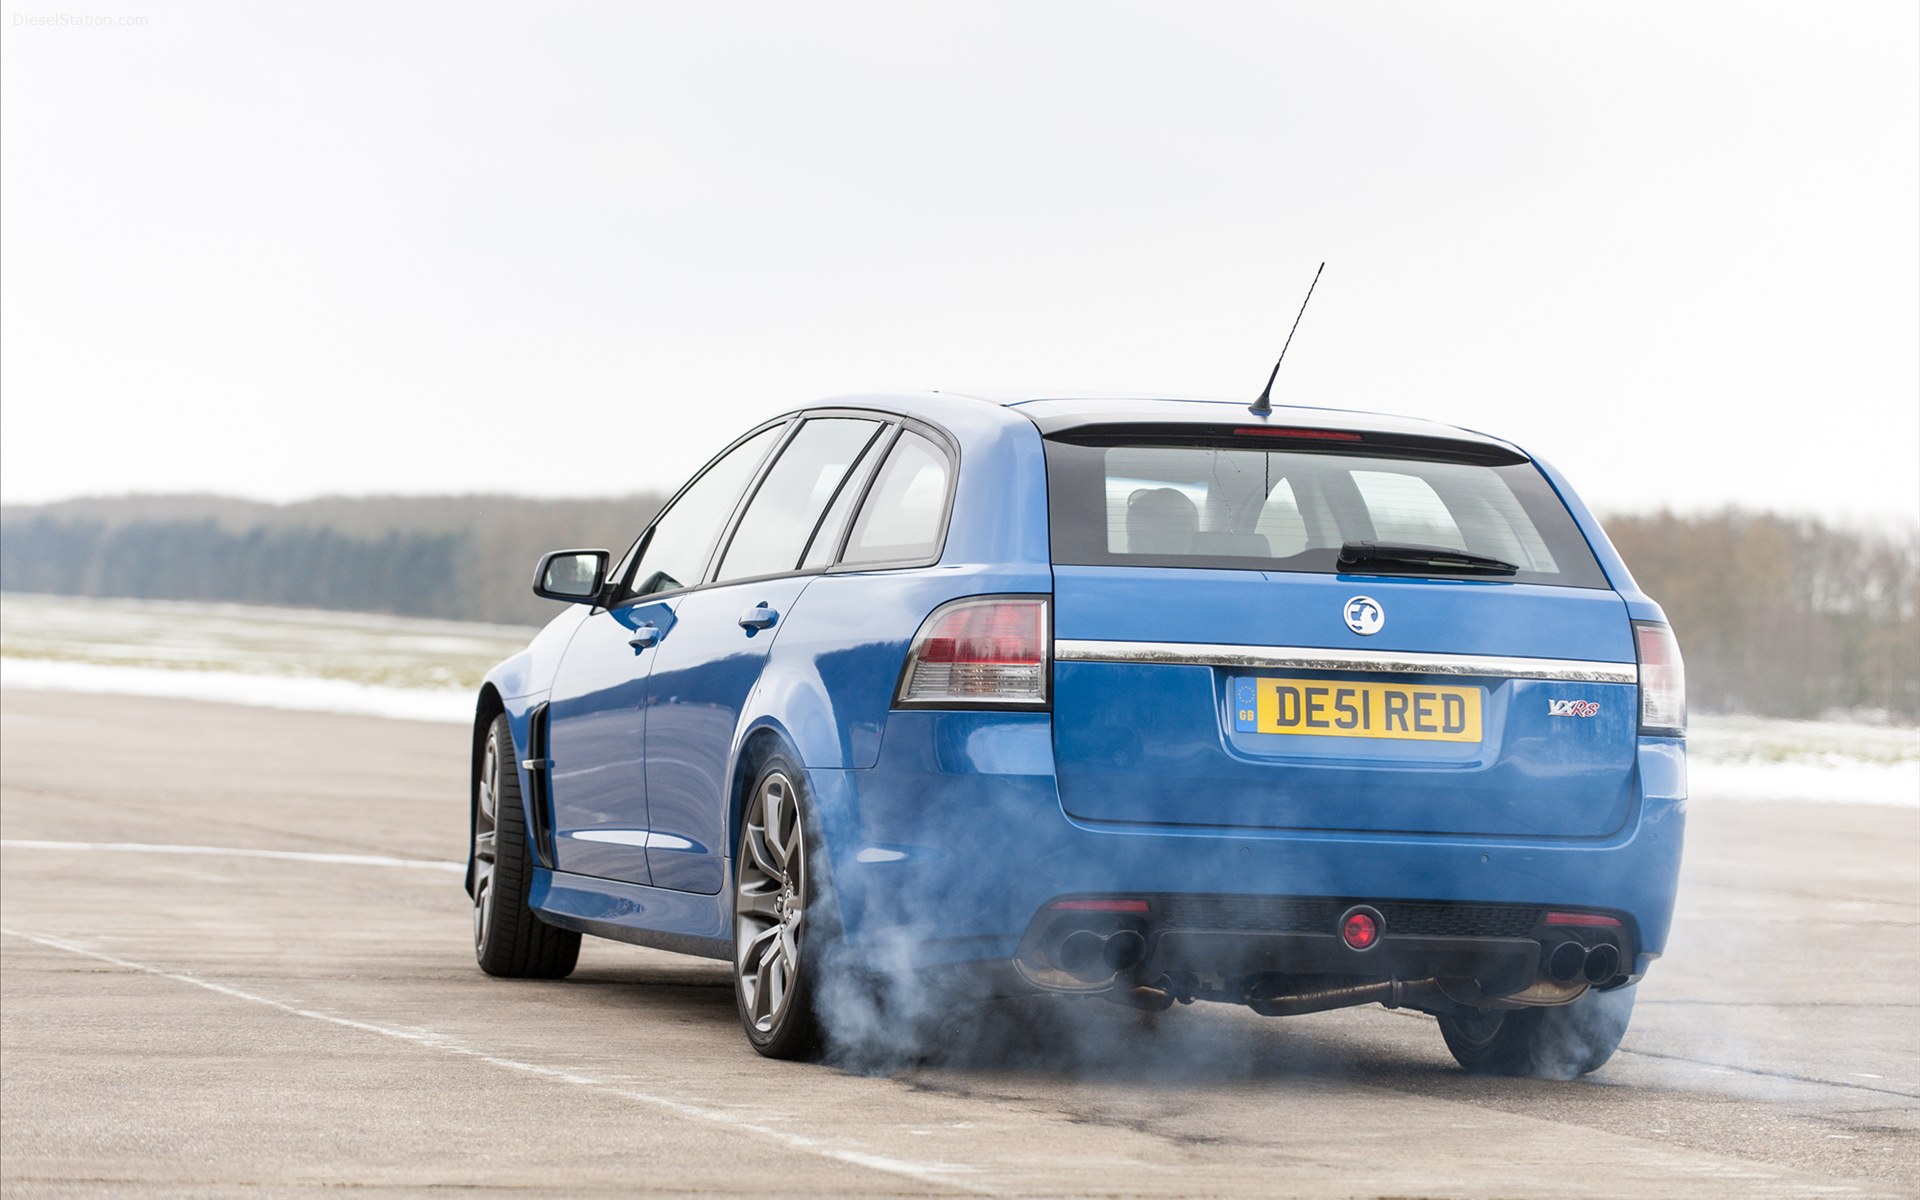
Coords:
780,926
1561,1042
508,939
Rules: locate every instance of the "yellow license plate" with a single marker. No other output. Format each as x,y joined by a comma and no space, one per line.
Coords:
1365,710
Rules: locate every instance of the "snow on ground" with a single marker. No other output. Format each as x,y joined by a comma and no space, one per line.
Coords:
422,670
1846,780
400,652
233,687
1757,758
402,667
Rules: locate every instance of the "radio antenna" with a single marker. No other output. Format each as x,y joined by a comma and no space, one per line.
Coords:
1264,405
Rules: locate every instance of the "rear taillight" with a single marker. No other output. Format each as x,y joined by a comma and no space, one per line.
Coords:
981,651
1663,680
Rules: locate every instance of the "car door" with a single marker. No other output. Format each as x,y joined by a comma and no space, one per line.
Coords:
595,713
707,665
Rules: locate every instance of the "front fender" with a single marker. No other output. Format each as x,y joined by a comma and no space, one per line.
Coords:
532,670
516,686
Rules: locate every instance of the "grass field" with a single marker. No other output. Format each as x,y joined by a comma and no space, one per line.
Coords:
363,648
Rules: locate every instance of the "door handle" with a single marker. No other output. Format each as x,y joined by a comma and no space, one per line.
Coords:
758,617
644,636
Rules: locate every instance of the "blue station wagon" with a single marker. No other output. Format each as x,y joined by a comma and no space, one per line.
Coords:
1146,699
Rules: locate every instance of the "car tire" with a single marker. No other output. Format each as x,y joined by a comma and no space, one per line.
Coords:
1560,1042
509,939
783,926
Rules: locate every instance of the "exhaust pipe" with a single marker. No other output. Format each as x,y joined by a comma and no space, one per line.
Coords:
1147,999
1566,961
1603,963
1081,954
1092,957
1123,951
1394,993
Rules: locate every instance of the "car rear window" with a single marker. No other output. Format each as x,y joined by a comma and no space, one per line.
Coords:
1137,498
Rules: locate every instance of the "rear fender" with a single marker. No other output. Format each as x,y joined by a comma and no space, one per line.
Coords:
760,738
830,679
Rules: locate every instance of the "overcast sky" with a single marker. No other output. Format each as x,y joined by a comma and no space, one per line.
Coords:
279,251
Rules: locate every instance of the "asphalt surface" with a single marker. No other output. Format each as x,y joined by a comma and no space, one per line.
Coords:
195,1023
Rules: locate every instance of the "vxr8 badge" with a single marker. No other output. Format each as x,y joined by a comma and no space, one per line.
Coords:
1571,708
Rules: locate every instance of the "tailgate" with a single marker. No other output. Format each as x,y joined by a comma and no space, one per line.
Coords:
1242,698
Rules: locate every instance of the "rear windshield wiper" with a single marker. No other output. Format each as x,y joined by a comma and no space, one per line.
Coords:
1392,555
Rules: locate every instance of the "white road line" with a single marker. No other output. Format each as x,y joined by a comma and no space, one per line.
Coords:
944,1174
352,860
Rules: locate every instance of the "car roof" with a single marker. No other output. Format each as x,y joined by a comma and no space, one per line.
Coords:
1056,412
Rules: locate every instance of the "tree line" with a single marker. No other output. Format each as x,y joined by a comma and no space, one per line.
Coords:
1784,616
1777,615
465,558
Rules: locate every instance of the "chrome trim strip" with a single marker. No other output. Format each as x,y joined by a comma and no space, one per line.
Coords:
1309,658
644,839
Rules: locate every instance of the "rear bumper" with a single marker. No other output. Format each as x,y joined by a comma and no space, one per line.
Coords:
1232,946
951,844
1506,966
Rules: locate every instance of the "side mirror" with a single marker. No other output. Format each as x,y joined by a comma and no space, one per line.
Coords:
577,576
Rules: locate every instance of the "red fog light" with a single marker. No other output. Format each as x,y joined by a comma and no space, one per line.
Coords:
1598,920
1360,928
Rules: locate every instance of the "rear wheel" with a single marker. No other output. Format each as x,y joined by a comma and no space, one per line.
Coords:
1561,1042
508,939
779,932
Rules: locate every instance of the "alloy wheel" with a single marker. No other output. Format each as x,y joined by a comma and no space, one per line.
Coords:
770,900
484,818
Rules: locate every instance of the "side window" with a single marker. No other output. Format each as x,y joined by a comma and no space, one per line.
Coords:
906,509
826,539
773,532
681,538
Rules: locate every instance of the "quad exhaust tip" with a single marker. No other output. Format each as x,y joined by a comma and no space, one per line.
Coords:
1570,962
1091,956
1124,950
1603,963
1566,961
